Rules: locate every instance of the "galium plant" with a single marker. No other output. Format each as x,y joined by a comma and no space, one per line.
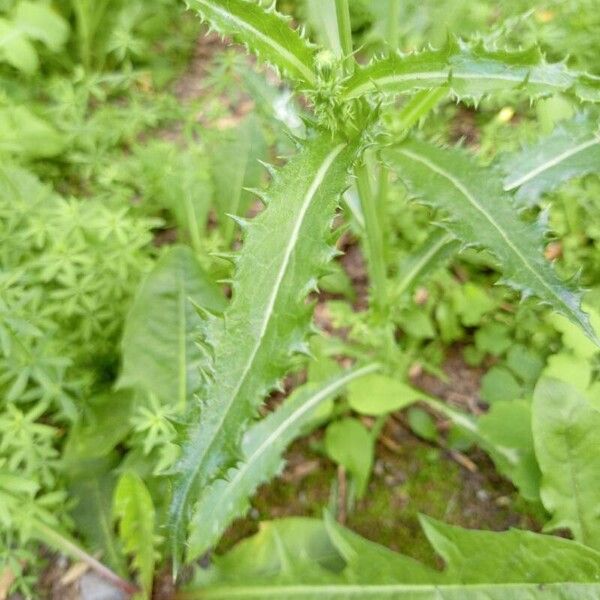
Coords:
287,246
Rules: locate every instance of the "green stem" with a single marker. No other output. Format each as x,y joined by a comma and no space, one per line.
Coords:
57,540
82,19
374,237
192,224
392,29
342,11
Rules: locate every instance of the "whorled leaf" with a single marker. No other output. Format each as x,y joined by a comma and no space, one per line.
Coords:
470,70
267,319
262,448
571,150
565,432
481,214
263,32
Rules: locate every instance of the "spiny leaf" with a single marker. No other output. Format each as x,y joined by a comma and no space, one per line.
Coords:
565,432
572,150
432,253
134,509
265,33
283,254
159,348
470,71
482,214
262,449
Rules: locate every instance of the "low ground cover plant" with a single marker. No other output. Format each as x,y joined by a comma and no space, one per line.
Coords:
159,347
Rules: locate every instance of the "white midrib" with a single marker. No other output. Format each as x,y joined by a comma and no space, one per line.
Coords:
431,251
291,58
296,416
473,201
511,185
287,254
306,201
378,82
182,346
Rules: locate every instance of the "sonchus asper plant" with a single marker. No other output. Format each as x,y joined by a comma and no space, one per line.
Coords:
287,246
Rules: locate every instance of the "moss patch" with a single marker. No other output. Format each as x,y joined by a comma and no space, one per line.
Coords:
416,478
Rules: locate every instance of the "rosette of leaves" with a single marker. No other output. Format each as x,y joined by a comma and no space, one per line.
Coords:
286,246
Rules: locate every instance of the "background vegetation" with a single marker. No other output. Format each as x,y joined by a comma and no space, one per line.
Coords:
128,135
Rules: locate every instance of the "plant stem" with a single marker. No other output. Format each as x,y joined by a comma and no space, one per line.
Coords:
374,236
82,19
342,11
392,30
192,224
56,540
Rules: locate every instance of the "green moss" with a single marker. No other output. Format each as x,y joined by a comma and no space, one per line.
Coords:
417,478
417,481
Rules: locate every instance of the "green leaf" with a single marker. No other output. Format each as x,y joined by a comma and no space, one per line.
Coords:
282,550
40,22
573,337
401,591
499,384
572,150
262,449
378,395
349,443
16,49
493,338
570,369
422,424
25,134
526,363
134,509
321,17
234,156
264,32
431,254
92,483
470,70
106,424
159,348
367,561
418,107
479,557
481,214
507,426
565,431
267,319
293,559
471,302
